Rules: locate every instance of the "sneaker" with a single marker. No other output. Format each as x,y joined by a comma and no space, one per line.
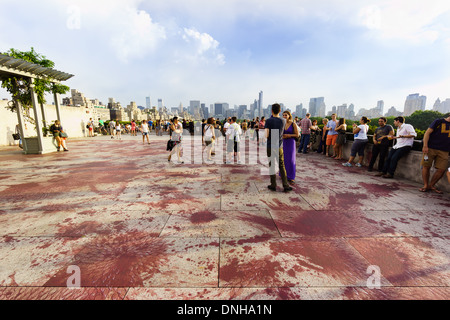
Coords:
358,165
271,188
388,176
346,164
287,189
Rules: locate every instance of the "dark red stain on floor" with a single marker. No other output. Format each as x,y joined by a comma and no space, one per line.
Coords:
202,217
116,261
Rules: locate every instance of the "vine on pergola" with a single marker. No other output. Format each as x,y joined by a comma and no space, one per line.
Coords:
19,87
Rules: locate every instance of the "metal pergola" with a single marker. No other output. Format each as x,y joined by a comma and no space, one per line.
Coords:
13,67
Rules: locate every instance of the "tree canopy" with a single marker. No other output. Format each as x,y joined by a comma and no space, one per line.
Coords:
19,87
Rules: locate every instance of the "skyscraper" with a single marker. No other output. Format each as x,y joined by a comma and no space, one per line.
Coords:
317,107
380,108
147,103
260,104
413,103
160,104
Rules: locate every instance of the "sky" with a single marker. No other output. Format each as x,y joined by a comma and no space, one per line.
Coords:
356,52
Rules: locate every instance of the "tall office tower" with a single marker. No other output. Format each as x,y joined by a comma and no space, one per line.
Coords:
442,107
242,110
194,107
445,106
260,104
148,105
219,111
254,109
413,103
298,110
380,108
350,111
341,111
160,104
317,107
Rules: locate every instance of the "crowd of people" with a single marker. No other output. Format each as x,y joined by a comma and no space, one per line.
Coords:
297,136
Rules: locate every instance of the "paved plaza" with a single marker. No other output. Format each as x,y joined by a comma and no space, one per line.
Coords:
132,225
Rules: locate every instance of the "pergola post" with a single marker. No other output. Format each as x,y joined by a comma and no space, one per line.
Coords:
21,122
57,105
37,117
44,118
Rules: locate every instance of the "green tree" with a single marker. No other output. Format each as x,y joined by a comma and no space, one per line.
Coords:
421,120
19,87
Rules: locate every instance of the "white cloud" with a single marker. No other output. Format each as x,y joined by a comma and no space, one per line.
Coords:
136,35
416,22
204,46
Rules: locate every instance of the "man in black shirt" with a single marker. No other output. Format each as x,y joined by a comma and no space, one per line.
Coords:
381,144
274,133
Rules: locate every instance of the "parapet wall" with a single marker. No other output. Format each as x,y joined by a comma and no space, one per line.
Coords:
73,120
408,167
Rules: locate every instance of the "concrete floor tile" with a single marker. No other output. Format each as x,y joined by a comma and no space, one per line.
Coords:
408,261
260,262
224,224
136,260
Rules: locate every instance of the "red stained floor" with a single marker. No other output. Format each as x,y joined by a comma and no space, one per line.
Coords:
138,227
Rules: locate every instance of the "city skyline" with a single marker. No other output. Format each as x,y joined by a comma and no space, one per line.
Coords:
347,52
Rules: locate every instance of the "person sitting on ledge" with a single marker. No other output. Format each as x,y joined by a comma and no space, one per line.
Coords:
405,140
57,130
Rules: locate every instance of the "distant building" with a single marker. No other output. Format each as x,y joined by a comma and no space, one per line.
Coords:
442,107
147,103
414,102
317,107
392,112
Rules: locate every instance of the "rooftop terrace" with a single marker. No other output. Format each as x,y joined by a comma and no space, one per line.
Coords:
138,227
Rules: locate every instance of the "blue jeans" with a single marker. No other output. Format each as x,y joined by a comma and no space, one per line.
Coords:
304,141
394,156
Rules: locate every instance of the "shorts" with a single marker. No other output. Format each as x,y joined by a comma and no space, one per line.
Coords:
144,133
331,139
208,142
439,157
233,146
358,146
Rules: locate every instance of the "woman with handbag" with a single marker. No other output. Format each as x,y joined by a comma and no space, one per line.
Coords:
210,136
59,135
177,131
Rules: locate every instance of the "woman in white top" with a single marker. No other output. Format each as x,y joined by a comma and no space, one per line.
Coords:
145,132
359,143
118,130
177,131
209,136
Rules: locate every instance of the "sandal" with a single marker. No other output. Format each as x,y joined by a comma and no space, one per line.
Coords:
424,189
436,190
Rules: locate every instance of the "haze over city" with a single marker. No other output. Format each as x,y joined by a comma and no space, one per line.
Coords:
214,51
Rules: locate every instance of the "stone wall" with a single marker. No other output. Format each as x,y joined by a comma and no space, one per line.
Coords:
73,120
408,167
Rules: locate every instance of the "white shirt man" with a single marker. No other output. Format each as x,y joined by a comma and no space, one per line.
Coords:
405,135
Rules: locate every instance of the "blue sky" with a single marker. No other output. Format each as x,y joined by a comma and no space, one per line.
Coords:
227,51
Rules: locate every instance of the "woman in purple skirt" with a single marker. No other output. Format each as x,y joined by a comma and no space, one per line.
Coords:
289,135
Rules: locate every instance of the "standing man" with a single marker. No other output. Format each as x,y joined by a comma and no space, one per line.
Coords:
233,137
112,128
380,144
332,134
305,124
436,147
91,127
405,140
226,125
273,124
